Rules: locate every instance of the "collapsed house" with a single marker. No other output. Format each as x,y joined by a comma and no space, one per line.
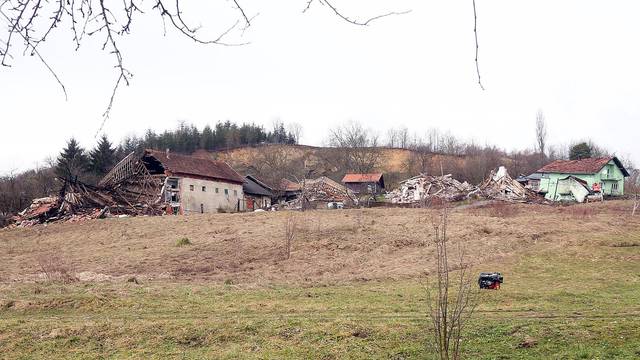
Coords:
562,180
153,183
78,201
187,184
289,190
500,186
424,187
319,193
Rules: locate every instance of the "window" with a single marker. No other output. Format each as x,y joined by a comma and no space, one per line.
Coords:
190,187
217,190
614,186
235,192
226,192
204,189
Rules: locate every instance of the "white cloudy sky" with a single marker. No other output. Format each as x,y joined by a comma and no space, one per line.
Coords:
576,60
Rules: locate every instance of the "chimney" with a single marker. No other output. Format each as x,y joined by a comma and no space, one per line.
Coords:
167,152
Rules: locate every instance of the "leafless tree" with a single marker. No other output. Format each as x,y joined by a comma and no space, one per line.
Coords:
403,137
32,22
276,163
632,186
392,138
358,145
290,230
295,129
452,299
55,268
541,133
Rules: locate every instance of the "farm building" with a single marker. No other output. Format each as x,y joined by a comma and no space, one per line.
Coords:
187,184
257,194
364,183
568,179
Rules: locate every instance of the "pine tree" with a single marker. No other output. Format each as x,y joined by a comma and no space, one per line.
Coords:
102,158
207,140
580,151
72,161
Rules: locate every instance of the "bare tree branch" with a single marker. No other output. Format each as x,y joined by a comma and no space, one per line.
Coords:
475,33
91,17
353,21
35,52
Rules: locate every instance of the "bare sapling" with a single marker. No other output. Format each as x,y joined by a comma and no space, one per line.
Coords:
452,298
290,230
633,184
55,269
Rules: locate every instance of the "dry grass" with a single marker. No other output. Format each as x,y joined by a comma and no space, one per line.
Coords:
331,246
571,286
54,268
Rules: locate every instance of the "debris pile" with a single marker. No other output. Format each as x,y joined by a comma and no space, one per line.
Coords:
320,190
500,186
78,201
325,190
423,187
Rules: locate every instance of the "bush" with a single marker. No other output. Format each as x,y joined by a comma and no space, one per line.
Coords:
55,269
183,242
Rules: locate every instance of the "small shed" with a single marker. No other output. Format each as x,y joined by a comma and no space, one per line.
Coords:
257,194
364,183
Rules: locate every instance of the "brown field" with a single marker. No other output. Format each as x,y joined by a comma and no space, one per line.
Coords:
330,246
218,286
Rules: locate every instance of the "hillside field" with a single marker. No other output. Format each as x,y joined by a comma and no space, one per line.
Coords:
219,285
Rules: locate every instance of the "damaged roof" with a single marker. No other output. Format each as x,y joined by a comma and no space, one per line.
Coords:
582,166
290,186
254,186
362,178
185,165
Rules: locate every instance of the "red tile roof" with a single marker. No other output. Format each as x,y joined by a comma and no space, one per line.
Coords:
583,166
288,185
361,178
190,165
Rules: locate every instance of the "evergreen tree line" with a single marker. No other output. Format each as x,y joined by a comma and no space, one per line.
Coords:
187,138
75,163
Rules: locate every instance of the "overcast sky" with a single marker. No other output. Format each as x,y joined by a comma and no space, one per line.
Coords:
578,61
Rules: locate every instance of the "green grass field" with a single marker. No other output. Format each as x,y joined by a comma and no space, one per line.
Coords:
553,305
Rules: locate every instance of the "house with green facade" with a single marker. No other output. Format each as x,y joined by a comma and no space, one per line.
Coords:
575,179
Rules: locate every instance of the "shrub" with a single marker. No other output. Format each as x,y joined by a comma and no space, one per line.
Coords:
55,269
183,242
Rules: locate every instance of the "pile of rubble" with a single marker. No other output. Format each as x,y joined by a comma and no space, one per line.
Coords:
500,186
78,201
423,187
320,190
325,190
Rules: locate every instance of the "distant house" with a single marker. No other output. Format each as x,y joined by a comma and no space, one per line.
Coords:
257,194
562,179
189,184
364,183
